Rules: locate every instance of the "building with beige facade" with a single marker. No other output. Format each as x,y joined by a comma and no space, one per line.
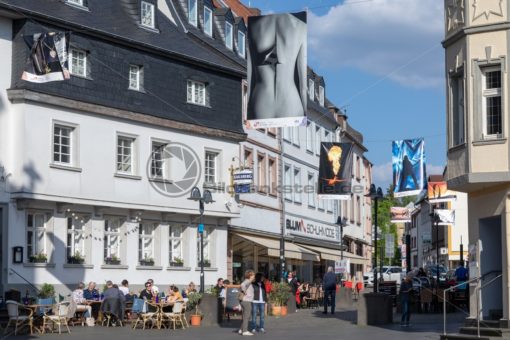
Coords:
477,43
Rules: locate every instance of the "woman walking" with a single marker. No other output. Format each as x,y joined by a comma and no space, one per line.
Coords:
246,297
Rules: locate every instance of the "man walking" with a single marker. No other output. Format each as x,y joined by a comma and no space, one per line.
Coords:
329,285
405,297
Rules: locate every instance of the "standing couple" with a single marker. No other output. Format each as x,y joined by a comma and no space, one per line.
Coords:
253,299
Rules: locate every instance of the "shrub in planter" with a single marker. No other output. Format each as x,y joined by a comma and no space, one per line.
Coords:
38,258
207,263
278,297
47,291
77,258
113,260
147,261
193,303
177,262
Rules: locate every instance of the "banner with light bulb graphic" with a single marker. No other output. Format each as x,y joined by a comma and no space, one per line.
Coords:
335,171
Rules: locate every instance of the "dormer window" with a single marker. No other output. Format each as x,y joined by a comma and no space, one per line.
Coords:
76,2
208,21
321,95
193,13
311,89
241,49
147,18
229,35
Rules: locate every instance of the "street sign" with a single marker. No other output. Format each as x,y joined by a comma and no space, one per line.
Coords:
201,228
243,180
343,266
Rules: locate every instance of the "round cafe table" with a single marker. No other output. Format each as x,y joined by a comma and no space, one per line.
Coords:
95,305
159,306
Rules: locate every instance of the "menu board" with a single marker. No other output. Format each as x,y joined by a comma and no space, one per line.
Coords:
232,298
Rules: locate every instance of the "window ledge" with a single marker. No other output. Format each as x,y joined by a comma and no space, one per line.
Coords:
85,266
160,180
135,90
311,207
178,269
149,267
65,167
119,175
114,266
288,200
81,77
83,8
213,186
310,152
199,105
298,203
207,269
297,145
490,141
457,147
150,29
273,195
39,265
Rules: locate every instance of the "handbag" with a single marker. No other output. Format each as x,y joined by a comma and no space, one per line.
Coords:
91,322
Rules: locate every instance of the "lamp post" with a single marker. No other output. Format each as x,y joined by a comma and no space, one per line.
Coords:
376,195
341,222
196,195
435,221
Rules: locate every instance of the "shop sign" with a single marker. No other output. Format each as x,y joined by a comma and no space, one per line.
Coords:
342,266
311,229
243,180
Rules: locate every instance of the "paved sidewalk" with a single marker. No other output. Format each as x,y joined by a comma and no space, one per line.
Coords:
305,324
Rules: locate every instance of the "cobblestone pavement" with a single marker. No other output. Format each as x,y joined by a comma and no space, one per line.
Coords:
304,324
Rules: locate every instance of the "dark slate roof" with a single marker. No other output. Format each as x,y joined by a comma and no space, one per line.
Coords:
119,19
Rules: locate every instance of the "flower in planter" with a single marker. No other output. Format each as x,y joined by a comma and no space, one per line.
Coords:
207,263
147,261
177,262
38,258
112,260
77,258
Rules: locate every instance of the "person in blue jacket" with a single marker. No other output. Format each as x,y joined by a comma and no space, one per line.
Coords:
329,285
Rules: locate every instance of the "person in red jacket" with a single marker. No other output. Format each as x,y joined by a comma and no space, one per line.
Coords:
268,286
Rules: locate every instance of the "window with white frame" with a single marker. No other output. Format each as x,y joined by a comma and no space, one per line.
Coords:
311,89
76,224
193,12
261,173
273,176
211,167
287,133
125,154
241,43
78,62
318,140
288,182
158,161
321,203
207,235
244,90
297,186
196,92
175,245
457,109
492,109
135,77
208,21
329,205
309,137
147,18
76,2
295,135
63,144
36,234
321,95
311,190
146,241
229,34
112,241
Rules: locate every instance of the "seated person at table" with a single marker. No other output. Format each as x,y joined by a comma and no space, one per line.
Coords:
80,301
174,295
155,289
124,288
190,289
113,300
147,293
91,292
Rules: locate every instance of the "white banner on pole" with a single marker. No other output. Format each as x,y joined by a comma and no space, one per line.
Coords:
390,245
343,266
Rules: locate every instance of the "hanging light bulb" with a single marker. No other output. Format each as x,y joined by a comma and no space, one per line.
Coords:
73,214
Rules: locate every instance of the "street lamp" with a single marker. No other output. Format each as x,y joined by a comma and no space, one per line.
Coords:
341,222
376,195
435,221
196,195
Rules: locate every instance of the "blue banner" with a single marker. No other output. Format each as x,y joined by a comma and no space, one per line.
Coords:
409,174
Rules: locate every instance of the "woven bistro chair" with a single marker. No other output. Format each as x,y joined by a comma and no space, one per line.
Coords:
16,320
148,314
176,316
58,318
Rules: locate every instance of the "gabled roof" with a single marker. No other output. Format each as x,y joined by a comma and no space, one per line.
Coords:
118,19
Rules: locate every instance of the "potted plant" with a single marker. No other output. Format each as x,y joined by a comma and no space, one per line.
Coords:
46,295
177,262
207,263
278,297
193,302
77,258
147,261
38,258
113,260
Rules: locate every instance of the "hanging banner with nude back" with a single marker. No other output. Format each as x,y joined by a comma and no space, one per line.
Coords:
409,174
49,57
277,71
438,193
335,171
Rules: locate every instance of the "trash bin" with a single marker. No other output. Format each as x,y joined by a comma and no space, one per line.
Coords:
375,309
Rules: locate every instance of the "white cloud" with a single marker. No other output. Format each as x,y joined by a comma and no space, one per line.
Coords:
382,175
399,39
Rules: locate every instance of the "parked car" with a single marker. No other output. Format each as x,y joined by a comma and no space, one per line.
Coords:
431,271
390,273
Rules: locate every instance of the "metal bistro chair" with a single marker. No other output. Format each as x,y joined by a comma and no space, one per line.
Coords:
58,318
146,313
16,320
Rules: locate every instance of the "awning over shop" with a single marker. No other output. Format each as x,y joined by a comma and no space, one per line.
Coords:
292,251
335,254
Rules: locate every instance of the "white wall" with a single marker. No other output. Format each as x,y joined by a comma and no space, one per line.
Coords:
5,81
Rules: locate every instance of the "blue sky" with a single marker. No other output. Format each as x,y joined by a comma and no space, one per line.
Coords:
382,61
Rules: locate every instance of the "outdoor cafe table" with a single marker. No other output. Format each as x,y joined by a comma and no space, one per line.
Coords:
159,310
95,305
37,318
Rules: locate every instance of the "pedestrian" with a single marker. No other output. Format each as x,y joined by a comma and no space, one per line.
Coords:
329,286
258,304
405,298
246,298
124,288
461,273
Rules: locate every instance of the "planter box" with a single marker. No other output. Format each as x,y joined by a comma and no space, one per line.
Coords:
75,261
37,261
147,263
112,262
176,264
